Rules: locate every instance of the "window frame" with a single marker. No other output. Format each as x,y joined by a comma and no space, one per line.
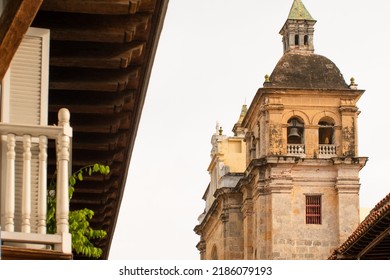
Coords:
313,209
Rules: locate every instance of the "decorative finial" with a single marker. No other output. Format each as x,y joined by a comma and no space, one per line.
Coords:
63,116
266,79
220,130
353,85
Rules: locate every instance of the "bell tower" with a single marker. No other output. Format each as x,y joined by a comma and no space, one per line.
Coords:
298,30
298,196
303,126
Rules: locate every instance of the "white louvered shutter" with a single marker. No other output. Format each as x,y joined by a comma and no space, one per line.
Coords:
25,101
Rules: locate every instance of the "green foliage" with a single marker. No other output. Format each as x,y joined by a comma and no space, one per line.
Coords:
79,227
82,233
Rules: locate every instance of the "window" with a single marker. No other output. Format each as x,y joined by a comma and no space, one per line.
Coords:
24,100
313,209
296,40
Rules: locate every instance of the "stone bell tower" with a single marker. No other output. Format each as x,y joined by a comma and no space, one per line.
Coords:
298,30
299,194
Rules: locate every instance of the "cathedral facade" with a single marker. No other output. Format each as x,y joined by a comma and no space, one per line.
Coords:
286,185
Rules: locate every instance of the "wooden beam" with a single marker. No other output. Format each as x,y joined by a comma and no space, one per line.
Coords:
17,253
14,22
112,7
374,243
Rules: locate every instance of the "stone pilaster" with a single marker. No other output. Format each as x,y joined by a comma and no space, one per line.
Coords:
348,186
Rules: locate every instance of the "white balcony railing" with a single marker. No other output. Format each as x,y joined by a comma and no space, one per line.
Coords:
28,134
296,149
326,150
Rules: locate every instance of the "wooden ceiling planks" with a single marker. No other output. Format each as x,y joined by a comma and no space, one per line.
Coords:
104,57
113,7
99,80
83,27
100,60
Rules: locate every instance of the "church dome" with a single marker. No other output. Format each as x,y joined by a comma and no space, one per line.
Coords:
306,70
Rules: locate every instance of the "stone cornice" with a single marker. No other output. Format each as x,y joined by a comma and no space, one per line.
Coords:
219,193
360,161
348,188
201,246
207,217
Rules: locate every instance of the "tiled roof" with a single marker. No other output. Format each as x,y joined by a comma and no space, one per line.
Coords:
309,71
370,230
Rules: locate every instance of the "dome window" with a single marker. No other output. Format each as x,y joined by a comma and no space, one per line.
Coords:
306,40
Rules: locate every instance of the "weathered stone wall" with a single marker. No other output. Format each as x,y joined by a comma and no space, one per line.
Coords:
266,217
279,210
223,233
214,241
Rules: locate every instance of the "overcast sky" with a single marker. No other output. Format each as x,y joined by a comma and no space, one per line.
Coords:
211,59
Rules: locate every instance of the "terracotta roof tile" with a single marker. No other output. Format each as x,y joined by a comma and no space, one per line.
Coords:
378,212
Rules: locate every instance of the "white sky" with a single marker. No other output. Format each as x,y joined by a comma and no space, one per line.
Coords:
212,56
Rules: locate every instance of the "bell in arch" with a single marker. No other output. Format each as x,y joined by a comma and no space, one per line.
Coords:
294,132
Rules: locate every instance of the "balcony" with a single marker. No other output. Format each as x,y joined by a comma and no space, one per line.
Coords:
296,150
24,185
326,150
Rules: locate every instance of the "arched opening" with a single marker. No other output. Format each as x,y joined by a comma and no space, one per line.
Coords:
325,132
326,138
214,253
295,137
306,40
295,131
296,40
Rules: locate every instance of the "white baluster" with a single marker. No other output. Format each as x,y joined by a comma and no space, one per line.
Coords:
63,144
10,184
26,194
42,185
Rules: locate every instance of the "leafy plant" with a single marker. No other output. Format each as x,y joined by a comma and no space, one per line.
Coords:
79,227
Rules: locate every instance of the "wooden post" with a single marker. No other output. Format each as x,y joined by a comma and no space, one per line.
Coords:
10,184
63,144
26,193
42,185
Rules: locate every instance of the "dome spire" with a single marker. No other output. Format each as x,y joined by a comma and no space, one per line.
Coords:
298,11
298,30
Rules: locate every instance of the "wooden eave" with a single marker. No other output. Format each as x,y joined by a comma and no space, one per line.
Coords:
101,55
